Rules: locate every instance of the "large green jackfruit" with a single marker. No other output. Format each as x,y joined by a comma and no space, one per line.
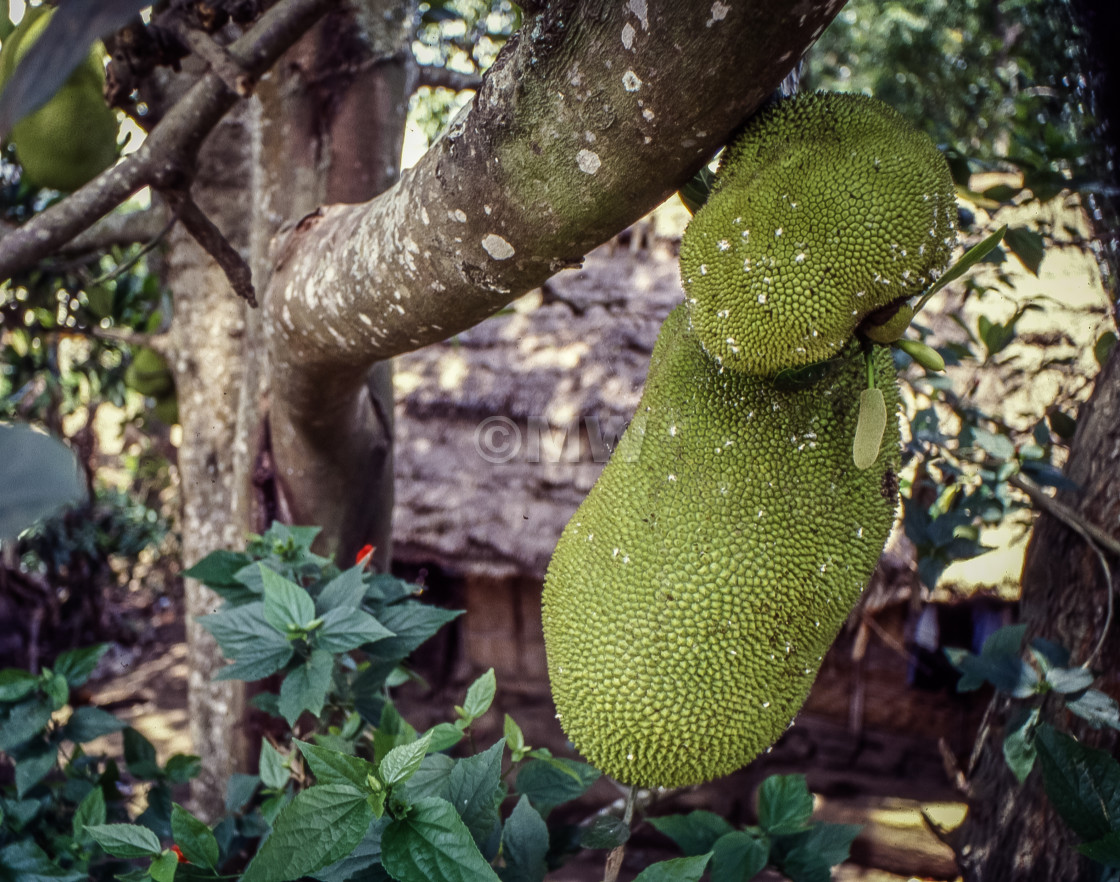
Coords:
73,137
692,596
825,209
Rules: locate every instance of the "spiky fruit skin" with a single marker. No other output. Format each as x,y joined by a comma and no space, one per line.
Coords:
825,208
692,596
73,137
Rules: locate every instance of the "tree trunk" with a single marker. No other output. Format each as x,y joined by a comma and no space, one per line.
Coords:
1012,834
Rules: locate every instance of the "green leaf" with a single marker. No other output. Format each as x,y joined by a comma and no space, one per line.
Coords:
831,844
56,689
475,789
344,629
16,684
140,755
1102,349
1069,680
1027,245
515,739
392,731
87,723
219,569
363,864
240,790
76,665
412,623
1096,707
444,735
286,605
90,812
182,767
550,782
34,766
194,838
738,857
433,778
524,844
968,260
38,473
24,861
999,446
604,832
695,833
244,635
401,763
1105,850
271,767
432,843
686,869
125,840
344,591
695,193
1018,745
306,687
480,696
784,804
163,868
318,827
1083,783
333,767
25,721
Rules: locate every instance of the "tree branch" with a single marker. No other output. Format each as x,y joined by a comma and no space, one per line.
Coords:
558,152
438,77
120,230
166,158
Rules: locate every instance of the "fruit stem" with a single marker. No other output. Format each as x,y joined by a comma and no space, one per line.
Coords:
614,858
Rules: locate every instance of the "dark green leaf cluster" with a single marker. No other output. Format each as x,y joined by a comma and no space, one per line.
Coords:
784,838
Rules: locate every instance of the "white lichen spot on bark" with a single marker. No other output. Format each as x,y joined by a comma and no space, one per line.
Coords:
647,115
458,215
497,247
641,12
628,33
719,13
588,161
631,82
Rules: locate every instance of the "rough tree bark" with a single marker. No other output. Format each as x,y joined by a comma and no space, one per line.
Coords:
1012,833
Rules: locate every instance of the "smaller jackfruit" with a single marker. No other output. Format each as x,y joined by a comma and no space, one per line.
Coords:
892,328
73,137
870,425
826,208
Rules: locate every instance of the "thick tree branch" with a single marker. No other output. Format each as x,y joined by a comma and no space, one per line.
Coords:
167,157
588,119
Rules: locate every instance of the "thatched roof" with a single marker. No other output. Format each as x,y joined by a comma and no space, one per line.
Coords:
564,368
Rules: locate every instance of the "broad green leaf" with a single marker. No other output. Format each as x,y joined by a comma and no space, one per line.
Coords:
433,778
548,783
16,685
182,767
515,739
164,867
1096,707
1018,745
444,736
392,731
968,260
306,687
363,864
90,812
274,774
1102,349
125,840
524,844
1027,245
245,636
401,762
784,804
87,723
194,838
219,569
344,591
686,869
25,721
1105,850
1069,680
738,857
475,789
333,767
320,826
38,473
286,605
240,789
140,755
604,832
480,696
828,844
34,766
412,623
432,843
24,861
344,629
1083,783
695,833
76,665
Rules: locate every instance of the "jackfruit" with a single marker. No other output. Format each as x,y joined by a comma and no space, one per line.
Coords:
692,596
73,137
826,208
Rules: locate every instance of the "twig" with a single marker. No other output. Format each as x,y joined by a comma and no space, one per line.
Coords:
207,234
1089,531
614,859
121,229
131,262
166,158
236,78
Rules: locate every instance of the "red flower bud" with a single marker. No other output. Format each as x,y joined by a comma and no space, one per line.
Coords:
364,556
179,853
